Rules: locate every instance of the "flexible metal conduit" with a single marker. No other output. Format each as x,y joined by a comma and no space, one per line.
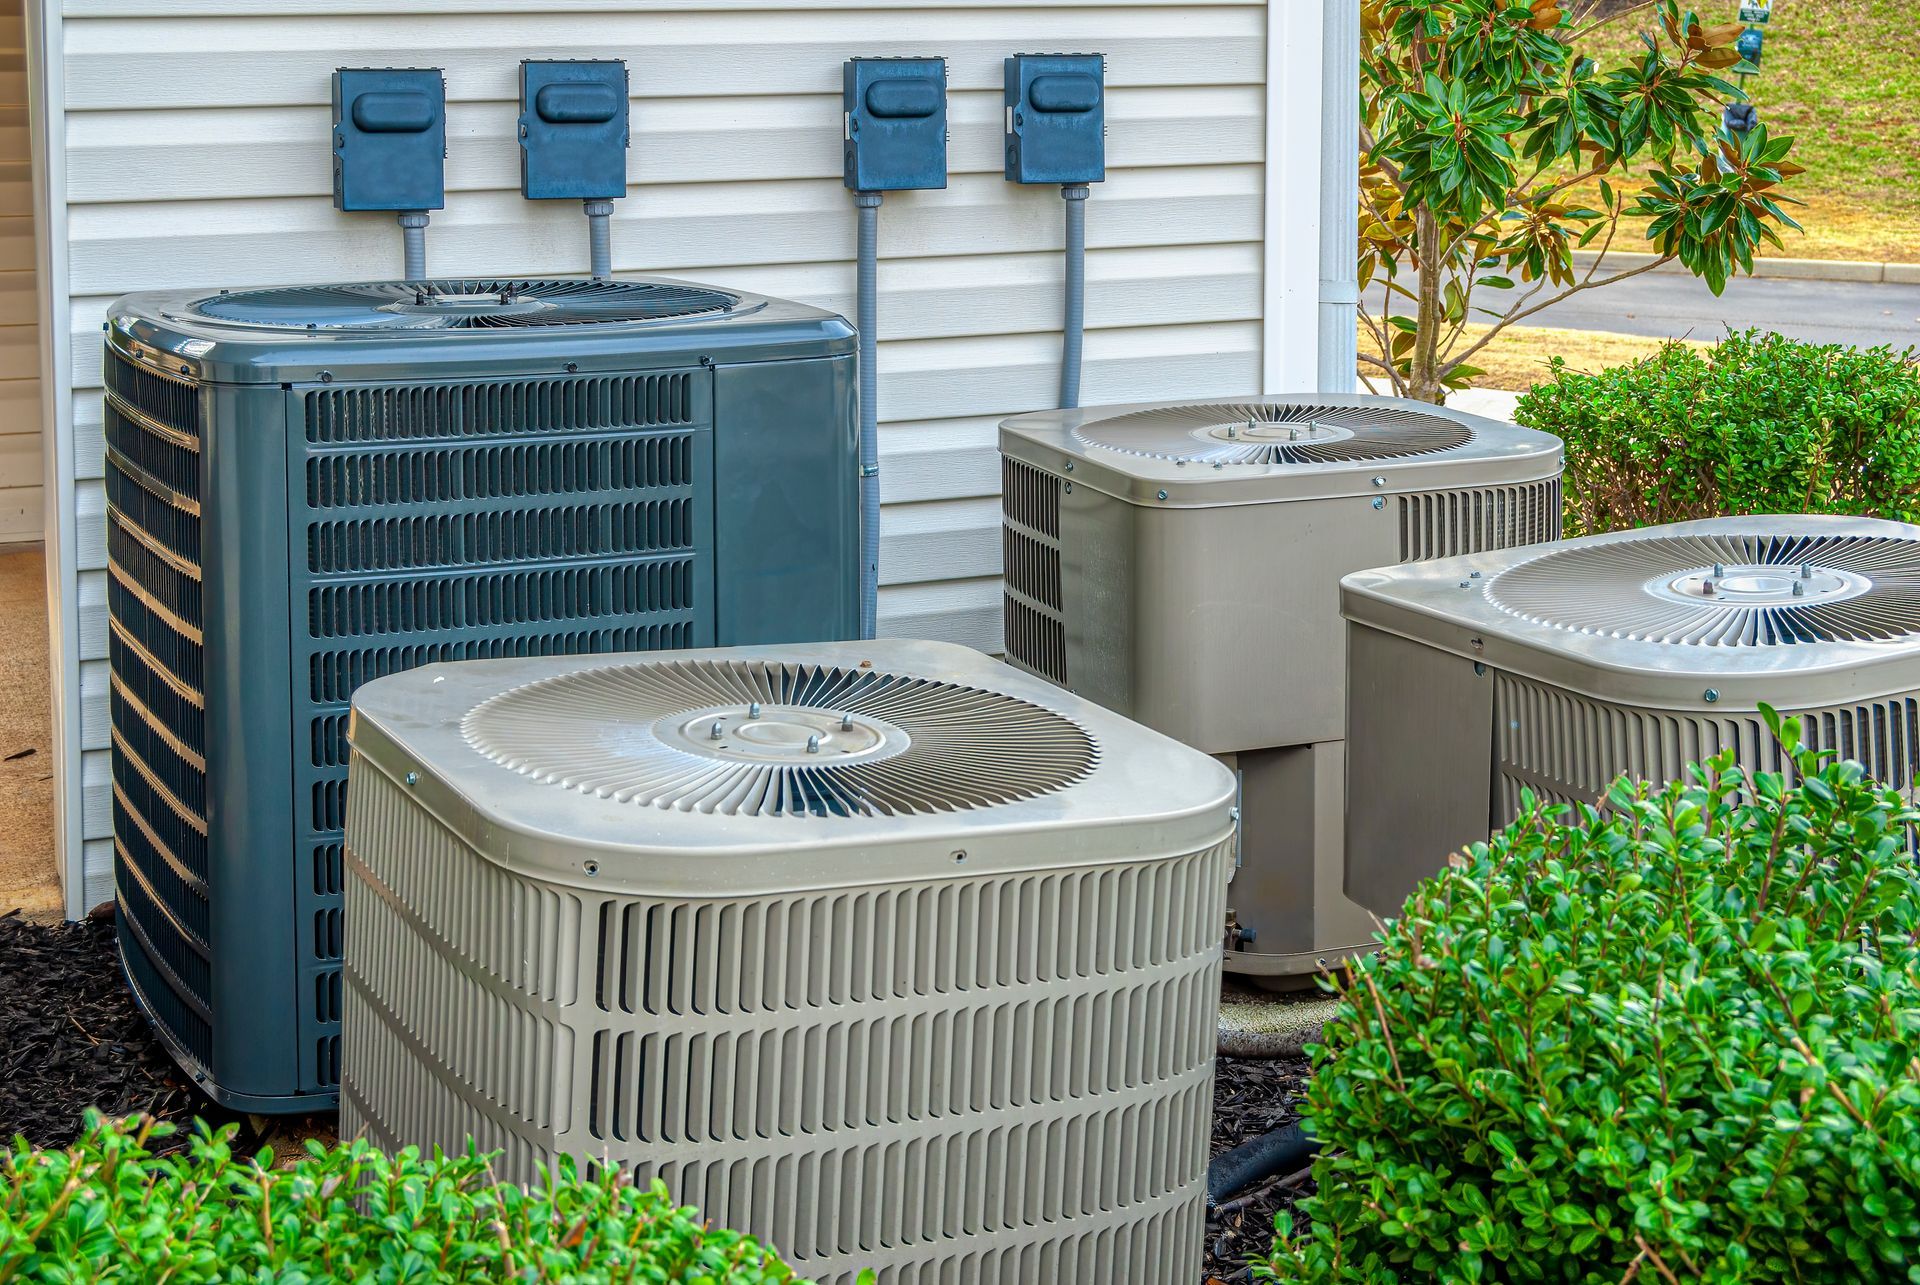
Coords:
600,239
866,317
1075,197
413,234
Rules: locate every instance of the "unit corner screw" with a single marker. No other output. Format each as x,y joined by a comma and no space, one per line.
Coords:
592,867
1162,494
753,709
413,778
1712,695
1069,466
1379,502
1379,481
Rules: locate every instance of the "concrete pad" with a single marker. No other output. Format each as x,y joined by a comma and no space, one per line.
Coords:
1494,403
1257,1023
28,878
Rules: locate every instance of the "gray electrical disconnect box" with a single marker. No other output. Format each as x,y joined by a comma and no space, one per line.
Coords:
573,130
1056,118
896,123
389,138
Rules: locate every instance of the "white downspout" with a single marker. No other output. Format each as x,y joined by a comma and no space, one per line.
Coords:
46,99
1295,172
1339,195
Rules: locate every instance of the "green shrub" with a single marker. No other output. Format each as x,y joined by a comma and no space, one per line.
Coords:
1756,424
1679,1042
108,1210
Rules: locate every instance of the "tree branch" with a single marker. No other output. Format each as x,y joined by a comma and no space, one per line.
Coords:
1368,144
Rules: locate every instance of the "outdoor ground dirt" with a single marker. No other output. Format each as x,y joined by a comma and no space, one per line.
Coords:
27,878
71,1038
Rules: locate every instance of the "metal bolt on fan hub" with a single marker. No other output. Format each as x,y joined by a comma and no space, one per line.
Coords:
780,734
1761,585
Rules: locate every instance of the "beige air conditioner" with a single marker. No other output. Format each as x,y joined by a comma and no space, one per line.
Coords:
882,951
1181,563
1559,668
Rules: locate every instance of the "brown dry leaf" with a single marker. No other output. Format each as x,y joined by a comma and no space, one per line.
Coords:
1724,34
1715,59
1546,19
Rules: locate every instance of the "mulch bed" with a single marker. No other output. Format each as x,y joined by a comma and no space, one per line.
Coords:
1251,1096
70,1038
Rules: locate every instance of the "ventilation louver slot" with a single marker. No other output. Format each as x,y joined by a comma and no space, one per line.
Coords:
1723,590
1567,748
760,739
1035,622
466,304
1446,524
1274,433
432,412
155,704
406,538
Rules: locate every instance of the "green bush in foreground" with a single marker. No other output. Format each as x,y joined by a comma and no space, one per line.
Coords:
107,1210
1676,1043
1757,424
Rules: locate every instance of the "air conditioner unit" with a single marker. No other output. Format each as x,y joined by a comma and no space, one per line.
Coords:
884,952
1559,668
313,486
1180,563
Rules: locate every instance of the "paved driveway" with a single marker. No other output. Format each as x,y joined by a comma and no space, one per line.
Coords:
1673,306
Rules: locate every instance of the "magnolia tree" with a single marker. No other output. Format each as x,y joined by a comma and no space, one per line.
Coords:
1494,146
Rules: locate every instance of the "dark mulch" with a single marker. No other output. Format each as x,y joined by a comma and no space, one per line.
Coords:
1252,1096
71,1038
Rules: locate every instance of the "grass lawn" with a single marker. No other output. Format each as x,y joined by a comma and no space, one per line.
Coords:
1843,78
1518,359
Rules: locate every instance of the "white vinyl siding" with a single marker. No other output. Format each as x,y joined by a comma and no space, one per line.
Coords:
196,156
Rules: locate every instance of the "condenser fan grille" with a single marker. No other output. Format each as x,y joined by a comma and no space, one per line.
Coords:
478,304
1723,591
755,738
1274,433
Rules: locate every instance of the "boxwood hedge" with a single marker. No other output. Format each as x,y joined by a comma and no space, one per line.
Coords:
106,1209
1675,1042
1757,424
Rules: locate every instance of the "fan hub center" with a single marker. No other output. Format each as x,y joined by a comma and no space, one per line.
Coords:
1760,585
491,303
801,735
1266,432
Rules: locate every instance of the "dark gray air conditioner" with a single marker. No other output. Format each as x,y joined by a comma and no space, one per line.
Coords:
314,486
